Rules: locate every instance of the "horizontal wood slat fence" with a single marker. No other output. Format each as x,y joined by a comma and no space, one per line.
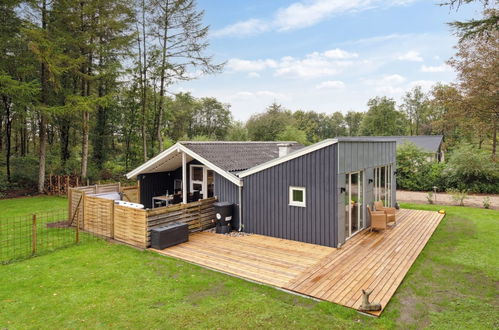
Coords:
103,217
198,215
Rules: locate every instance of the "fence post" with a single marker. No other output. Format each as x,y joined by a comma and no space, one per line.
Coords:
33,234
77,232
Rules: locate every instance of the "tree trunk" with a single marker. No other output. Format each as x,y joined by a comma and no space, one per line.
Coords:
42,152
42,129
143,81
494,140
64,127
1,129
8,135
84,145
162,79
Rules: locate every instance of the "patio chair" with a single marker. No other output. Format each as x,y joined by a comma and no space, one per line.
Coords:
379,219
390,211
177,199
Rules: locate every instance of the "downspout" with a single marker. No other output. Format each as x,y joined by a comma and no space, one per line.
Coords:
240,208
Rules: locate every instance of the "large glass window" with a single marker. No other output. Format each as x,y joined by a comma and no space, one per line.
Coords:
383,184
354,203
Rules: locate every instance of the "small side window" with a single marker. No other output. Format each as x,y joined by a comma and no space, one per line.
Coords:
297,196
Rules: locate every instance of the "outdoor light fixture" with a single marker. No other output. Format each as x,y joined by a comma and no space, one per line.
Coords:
370,181
342,190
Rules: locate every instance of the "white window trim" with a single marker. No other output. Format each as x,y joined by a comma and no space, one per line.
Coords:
296,203
203,182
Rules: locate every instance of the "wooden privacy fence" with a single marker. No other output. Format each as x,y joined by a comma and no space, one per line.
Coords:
133,226
198,215
95,214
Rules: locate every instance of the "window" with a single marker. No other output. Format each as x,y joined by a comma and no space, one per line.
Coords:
297,196
383,184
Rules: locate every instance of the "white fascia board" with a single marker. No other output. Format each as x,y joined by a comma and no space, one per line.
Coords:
283,159
152,161
229,176
177,147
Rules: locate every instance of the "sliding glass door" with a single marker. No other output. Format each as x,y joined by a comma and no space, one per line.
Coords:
383,184
354,202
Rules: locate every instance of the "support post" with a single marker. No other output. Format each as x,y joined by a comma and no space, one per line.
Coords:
77,232
184,178
33,234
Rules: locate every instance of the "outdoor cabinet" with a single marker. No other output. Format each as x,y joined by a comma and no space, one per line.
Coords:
169,235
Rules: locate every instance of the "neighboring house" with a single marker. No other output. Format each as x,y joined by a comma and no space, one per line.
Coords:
315,194
432,144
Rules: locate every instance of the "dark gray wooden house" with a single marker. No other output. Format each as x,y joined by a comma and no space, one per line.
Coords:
315,194
431,144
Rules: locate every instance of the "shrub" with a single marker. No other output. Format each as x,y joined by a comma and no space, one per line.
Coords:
458,196
429,197
472,169
486,202
415,171
24,171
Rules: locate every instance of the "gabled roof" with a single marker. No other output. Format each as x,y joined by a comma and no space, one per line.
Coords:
225,158
238,156
292,155
429,143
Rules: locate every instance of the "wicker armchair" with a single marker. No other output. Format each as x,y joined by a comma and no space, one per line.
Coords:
390,211
379,219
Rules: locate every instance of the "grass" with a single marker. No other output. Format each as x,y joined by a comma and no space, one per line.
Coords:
26,205
16,226
453,284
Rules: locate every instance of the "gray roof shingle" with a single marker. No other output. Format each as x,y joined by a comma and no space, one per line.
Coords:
238,156
430,143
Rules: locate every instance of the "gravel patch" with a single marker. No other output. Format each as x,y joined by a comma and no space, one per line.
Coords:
441,198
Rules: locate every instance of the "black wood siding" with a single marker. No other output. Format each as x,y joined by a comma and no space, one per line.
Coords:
155,184
266,208
226,191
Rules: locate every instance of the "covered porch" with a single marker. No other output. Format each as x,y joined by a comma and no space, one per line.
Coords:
177,176
375,261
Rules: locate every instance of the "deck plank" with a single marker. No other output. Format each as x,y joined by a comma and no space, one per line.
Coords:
376,261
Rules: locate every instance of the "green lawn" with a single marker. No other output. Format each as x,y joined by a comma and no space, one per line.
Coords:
27,205
16,226
453,284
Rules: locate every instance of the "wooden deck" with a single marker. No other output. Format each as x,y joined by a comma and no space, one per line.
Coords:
369,260
259,258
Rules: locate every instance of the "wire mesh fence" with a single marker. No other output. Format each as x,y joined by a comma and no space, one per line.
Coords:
30,235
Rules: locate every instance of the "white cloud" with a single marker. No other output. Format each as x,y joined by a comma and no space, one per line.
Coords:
411,55
246,95
392,79
244,28
304,13
425,84
313,65
236,64
438,68
330,84
390,85
339,54
254,75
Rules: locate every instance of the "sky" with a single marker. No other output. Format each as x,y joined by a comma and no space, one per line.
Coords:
324,55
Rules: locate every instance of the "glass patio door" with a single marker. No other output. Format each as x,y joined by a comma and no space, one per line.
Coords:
202,180
383,184
354,202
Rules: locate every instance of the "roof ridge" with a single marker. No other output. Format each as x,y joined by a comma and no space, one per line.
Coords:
234,142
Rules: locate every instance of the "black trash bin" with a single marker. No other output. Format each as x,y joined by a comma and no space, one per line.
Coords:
169,235
223,216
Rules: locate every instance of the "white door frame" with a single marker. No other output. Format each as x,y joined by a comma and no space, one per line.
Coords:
204,183
360,213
